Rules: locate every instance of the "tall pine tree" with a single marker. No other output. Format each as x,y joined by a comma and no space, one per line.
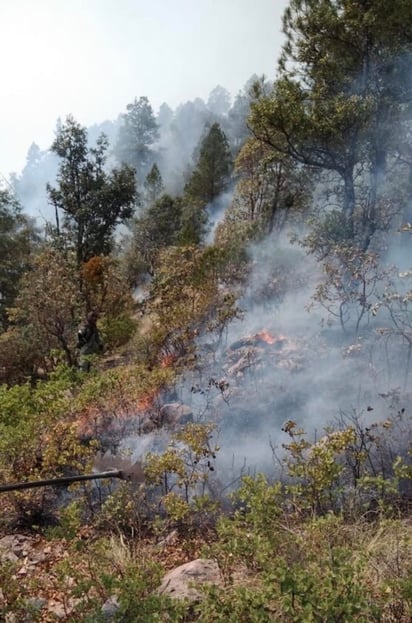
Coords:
211,175
343,87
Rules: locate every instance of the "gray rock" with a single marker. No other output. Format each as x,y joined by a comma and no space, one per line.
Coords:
175,414
34,605
183,582
110,607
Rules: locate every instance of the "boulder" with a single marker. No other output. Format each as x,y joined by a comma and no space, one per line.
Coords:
184,581
174,414
110,607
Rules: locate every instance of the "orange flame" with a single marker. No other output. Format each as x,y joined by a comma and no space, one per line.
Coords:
87,422
146,401
267,337
167,361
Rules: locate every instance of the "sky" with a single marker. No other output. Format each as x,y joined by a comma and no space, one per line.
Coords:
90,58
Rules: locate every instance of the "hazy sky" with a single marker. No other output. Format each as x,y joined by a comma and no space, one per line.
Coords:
90,58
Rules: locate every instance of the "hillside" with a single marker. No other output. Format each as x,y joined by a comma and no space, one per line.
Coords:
212,337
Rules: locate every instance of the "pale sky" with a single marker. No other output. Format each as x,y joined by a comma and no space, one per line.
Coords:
90,58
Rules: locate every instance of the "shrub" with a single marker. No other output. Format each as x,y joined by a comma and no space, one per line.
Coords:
117,330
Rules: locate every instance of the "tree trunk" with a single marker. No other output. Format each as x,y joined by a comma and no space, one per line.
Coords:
349,197
377,176
67,351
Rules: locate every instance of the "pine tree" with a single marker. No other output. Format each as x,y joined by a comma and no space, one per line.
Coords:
137,135
211,175
342,89
18,238
153,185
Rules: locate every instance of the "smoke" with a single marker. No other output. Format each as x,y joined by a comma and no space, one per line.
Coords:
283,359
30,187
180,134
216,212
311,373
181,131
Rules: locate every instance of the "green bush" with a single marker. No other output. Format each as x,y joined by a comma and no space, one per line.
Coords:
38,440
115,567
117,330
279,570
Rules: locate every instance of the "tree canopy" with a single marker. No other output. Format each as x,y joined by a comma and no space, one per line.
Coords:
211,175
137,134
93,202
18,238
340,96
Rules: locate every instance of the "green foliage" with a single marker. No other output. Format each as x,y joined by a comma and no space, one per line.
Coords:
104,288
286,549
260,503
290,572
316,468
341,596
272,189
181,472
116,569
186,457
339,102
93,202
17,403
117,331
355,471
21,355
14,602
18,239
186,299
126,511
231,606
284,552
329,589
233,236
158,227
53,301
153,185
328,233
137,134
210,178
39,441
194,222
49,303
70,522
352,286
212,173
120,388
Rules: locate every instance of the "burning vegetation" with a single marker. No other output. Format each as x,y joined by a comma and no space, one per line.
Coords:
260,385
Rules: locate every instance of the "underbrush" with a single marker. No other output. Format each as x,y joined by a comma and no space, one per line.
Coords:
273,568
326,540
